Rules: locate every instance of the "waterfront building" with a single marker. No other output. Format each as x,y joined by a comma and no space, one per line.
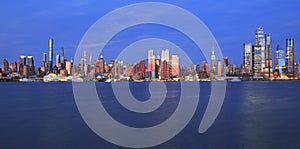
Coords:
256,60
219,69
247,59
13,67
5,66
165,56
279,62
260,40
50,54
290,57
175,65
268,69
213,62
30,68
151,60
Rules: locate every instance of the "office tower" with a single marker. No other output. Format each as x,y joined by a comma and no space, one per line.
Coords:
219,72
165,55
50,54
213,61
100,66
57,60
175,65
30,68
290,57
91,60
5,65
268,69
247,61
165,70
21,64
13,67
260,40
203,69
63,61
256,60
157,67
279,61
151,60
84,57
69,67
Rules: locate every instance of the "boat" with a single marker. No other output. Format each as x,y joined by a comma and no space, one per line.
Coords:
26,80
235,79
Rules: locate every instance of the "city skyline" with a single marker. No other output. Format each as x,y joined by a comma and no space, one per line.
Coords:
22,36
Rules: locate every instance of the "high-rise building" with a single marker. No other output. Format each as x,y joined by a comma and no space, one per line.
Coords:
69,67
213,61
247,62
165,56
50,54
5,65
30,68
260,40
219,72
84,57
21,64
13,67
175,65
100,66
279,61
290,57
57,60
63,60
256,60
151,60
268,69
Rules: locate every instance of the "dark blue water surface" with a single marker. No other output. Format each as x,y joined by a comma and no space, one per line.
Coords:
254,115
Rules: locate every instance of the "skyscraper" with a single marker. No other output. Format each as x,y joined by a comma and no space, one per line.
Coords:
30,65
213,61
279,61
5,65
290,57
175,65
50,54
260,40
84,58
57,60
268,69
165,56
151,60
256,60
219,72
248,57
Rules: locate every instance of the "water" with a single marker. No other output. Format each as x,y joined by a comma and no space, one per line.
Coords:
254,115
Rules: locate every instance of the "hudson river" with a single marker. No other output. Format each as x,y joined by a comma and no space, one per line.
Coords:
254,115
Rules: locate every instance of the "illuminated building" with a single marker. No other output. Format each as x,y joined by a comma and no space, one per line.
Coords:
247,61
268,69
151,60
260,40
279,61
30,69
256,60
290,57
219,72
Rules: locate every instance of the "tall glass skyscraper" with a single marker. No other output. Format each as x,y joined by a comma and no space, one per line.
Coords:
279,60
256,60
50,53
268,57
247,57
260,40
290,57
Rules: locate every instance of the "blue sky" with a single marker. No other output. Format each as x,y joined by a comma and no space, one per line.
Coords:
27,25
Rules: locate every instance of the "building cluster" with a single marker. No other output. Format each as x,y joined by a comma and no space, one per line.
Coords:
258,59
258,63
25,68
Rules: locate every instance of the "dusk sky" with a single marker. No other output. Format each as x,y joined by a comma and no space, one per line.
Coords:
27,25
